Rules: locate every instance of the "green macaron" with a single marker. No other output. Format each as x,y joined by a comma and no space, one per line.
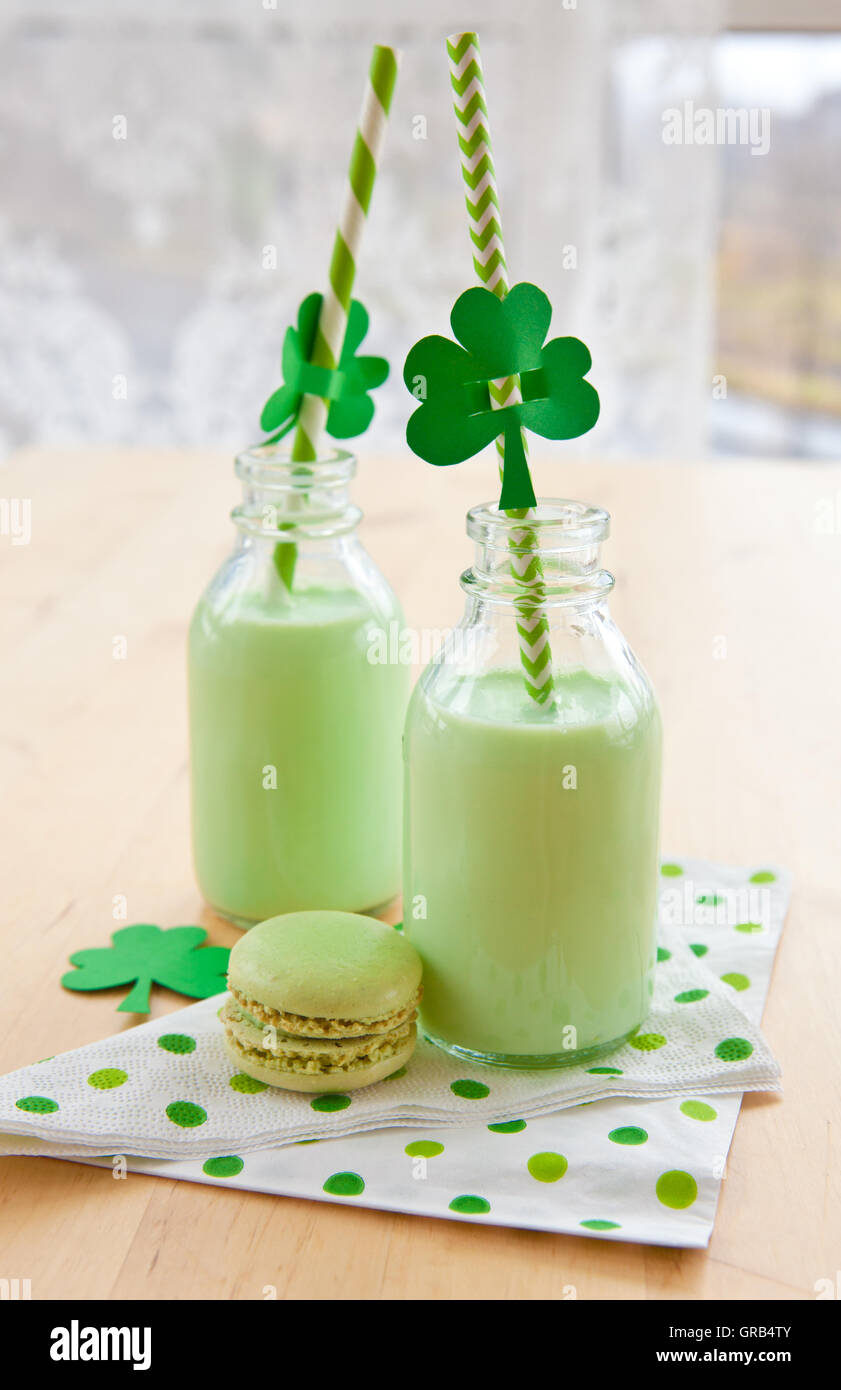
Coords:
321,1001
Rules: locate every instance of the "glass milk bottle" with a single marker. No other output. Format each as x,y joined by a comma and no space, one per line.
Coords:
531,827
295,718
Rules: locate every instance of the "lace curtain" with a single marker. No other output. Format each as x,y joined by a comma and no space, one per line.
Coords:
151,151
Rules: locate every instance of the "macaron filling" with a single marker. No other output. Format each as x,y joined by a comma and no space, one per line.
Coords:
273,1047
298,1026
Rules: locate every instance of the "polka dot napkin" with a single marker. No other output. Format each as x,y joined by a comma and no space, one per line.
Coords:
633,1147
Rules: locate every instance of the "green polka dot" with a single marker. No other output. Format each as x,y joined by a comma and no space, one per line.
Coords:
37,1105
647,1042
604,1071
401,1071
596,1224
734,1049
698,1110
663,954
736,980
676,1189
748,927
508,1127
470,1090
763,876
698,948
671,870
344,1185
628,1134
470,1205
185,1114
547,1167
246,1085
709,899
327,1104
225,1167
691,996
177,1042
107,1078
424,1148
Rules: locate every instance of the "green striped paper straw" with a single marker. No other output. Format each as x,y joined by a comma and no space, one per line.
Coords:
367,148
482,200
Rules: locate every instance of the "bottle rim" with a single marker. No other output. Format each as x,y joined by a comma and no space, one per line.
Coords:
545,556
585,590
287,498
271,467
556,524
262,522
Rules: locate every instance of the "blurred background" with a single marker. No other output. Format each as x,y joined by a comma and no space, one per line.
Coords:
172,172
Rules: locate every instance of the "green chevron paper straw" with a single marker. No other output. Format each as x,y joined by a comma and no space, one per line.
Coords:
367,147
482,201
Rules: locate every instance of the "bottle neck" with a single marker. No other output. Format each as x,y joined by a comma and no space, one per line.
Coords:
279,493
549,557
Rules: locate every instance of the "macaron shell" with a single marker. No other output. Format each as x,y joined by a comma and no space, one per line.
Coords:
337,965
325,1083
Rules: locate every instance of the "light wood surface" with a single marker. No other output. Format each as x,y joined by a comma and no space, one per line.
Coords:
93,766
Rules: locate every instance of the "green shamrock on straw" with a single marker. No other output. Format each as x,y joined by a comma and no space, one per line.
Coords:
145,955
346,386
499,338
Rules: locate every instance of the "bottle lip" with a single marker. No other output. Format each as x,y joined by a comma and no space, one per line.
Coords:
262,522
545,556
556,524
271,466
568,591
287,498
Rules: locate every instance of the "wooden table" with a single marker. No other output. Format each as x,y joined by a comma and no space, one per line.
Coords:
95,801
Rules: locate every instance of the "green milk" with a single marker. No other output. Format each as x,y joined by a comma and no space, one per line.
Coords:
295,720
531,848
532,780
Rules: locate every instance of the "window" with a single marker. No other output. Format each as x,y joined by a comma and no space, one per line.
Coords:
778,338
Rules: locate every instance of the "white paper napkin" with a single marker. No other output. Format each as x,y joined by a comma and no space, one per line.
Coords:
576,1171
167,1090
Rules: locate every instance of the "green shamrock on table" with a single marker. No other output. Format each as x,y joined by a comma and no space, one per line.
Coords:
346,387
498,338
146,955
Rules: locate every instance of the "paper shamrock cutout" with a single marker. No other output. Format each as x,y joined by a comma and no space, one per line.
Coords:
346,387
146,955
498,338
